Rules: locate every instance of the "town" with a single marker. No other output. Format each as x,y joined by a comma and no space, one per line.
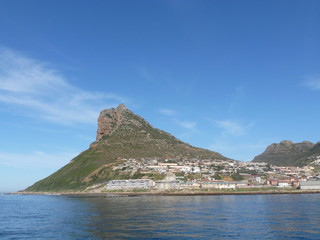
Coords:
192,174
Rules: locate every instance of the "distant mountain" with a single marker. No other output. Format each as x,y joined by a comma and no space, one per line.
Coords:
288,153
121,135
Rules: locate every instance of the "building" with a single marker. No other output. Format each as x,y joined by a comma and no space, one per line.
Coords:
170,182
189,185
310,185
130,184
272,182
218,185
255,179
283,183
166,185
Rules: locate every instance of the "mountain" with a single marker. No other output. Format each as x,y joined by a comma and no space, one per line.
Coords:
288,153
121,135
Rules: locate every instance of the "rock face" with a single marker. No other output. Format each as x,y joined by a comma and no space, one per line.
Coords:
109,120
121,134
117,121
287,153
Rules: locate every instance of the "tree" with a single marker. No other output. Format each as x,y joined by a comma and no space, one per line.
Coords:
217,176
236,176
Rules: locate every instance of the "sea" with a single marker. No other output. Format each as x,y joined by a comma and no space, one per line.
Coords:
284,216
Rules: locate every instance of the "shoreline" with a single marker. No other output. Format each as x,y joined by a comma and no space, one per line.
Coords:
187,193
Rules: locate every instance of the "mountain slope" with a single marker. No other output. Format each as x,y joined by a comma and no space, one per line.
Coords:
121,135
314,151
287,153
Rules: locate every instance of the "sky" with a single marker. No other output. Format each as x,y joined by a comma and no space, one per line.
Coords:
231,76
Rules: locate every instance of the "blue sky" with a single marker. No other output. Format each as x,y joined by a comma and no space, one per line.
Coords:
230,76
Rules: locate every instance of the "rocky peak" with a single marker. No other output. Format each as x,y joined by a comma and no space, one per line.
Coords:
122,107
109,120
286,143
285,146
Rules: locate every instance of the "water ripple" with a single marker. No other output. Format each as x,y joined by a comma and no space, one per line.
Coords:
194,217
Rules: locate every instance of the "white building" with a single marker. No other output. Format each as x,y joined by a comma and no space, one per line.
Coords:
196,170
310,185
219,185
166,185
130,184
283,184
189,185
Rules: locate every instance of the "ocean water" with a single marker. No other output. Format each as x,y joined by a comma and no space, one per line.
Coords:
160,217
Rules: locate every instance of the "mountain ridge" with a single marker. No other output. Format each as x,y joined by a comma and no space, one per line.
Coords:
288,153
